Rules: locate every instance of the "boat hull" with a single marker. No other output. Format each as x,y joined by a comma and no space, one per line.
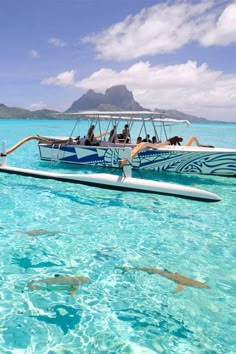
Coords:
181,159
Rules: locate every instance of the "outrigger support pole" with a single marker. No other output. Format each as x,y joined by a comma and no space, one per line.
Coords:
4,154
127,168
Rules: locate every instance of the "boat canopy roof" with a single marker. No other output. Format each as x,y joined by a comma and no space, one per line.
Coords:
141,116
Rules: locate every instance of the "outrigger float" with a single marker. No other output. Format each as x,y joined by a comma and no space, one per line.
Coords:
108,181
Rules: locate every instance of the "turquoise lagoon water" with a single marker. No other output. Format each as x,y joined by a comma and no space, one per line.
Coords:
91,232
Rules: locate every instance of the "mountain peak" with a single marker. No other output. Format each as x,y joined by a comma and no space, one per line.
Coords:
117,97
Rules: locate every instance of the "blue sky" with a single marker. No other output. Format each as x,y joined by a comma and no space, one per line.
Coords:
170,54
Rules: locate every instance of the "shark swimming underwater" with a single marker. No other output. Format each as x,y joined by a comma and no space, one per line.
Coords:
179,279
69,283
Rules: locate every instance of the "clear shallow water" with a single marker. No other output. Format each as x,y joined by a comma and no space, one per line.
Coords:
97,231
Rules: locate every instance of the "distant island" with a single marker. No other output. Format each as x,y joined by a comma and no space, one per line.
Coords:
116,98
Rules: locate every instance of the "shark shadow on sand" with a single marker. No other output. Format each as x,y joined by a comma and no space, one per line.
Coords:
66,317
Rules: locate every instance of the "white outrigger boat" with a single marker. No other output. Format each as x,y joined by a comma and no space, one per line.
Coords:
159,155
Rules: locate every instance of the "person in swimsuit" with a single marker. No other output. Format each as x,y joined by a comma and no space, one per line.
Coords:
175,140
90,139
126,133
113,135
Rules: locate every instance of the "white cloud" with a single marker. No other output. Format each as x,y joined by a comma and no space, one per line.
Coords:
34,53
64,79
36,106
223,31
56,42
187,87
165,28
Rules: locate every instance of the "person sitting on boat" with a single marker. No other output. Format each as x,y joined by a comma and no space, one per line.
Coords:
154,140
113,135
139,140
125,134
147,139
77,139
90,139
72,141
175,140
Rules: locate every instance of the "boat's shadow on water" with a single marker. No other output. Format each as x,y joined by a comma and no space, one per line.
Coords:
54,193
84,198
